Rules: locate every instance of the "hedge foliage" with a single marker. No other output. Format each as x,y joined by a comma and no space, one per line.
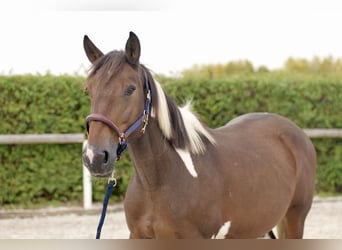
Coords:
310,100
41,174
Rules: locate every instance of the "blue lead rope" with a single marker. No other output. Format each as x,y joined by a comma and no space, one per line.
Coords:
110,186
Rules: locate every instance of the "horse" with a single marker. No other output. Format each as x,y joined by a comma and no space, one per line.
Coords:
189,180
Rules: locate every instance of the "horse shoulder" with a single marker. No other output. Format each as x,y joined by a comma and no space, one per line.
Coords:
138,211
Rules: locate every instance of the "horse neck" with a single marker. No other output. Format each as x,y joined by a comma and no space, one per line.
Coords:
152,156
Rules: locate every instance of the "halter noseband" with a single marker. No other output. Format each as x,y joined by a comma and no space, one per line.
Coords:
143,120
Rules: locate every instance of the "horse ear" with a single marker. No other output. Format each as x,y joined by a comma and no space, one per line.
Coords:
92,52
132,50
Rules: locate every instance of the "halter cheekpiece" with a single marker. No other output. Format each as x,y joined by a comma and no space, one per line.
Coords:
143,120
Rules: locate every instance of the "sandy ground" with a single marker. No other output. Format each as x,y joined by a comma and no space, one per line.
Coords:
324,222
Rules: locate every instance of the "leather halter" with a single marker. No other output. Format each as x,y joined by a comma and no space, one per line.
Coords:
143,120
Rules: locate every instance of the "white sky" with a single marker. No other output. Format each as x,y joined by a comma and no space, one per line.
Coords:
41,35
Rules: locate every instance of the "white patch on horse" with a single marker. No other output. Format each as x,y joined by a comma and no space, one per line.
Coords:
222,233
194,130
186,158
90,154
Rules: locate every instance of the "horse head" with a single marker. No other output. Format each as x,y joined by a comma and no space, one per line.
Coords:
118,89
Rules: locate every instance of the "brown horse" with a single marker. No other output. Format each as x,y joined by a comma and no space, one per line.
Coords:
190,181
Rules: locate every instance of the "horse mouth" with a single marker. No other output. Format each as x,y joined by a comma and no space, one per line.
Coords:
102,175
99,171
99,161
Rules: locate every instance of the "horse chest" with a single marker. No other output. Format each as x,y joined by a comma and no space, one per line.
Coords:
151,217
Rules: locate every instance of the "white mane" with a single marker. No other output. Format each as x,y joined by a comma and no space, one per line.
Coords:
193,127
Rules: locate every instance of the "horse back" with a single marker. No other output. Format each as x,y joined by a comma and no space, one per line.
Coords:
258,129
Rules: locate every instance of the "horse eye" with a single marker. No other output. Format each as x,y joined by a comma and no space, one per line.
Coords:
129,90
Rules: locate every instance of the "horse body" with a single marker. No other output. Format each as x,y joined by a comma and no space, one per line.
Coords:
166,201
190,181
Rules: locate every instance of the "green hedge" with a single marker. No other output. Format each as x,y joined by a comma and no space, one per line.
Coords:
310,100
41,174
32,175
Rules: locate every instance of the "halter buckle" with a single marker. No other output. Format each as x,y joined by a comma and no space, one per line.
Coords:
122,138
145,122
146,111
121,146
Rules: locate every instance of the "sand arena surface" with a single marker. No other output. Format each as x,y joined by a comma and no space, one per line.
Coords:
323,222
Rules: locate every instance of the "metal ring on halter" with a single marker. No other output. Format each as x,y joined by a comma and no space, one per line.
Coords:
112,179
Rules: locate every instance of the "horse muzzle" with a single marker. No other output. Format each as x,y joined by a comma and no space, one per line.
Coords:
99,161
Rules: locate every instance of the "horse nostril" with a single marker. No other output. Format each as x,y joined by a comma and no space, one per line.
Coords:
106,157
